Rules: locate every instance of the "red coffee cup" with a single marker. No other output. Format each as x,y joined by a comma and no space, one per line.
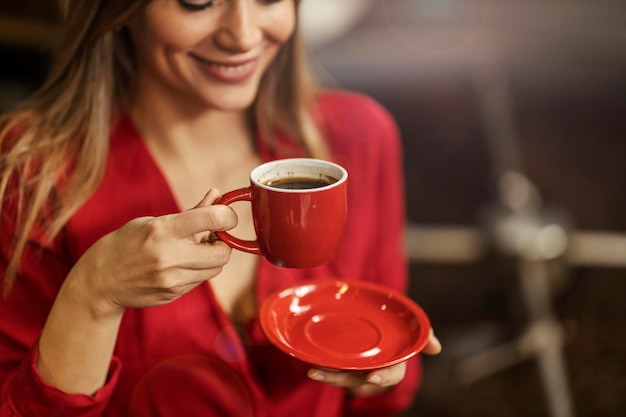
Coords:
299,209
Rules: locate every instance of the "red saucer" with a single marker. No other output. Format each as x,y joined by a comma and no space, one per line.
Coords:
346,325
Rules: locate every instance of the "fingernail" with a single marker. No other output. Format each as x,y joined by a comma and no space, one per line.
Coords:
434,338
375,379
316,376
437,342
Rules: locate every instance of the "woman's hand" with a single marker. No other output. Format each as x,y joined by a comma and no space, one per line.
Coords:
155,260
371,383
147,262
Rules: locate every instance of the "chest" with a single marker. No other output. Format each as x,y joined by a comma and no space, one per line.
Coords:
234,286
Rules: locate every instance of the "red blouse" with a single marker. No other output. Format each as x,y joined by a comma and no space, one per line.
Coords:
187,358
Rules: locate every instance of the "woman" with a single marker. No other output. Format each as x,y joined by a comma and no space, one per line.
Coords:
121,301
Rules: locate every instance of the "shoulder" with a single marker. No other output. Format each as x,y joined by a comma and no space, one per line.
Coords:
354,109
353,122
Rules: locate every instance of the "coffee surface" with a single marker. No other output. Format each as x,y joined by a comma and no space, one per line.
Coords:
300,183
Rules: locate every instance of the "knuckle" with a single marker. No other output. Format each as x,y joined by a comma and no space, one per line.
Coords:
214,217
221,217
154,245
221,253
225,252
160,261
155,230
167,285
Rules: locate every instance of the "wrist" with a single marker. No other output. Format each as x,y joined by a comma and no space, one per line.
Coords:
80,289
78,339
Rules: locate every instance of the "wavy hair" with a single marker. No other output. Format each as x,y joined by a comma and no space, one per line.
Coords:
53,147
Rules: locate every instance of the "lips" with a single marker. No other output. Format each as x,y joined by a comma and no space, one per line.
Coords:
227,71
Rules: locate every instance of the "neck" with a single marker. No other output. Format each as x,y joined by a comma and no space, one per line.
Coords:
175,134
212,149
180,123
171,130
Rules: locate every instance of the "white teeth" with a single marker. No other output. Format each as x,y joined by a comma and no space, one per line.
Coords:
232,68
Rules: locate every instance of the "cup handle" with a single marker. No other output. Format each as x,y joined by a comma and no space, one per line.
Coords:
250,246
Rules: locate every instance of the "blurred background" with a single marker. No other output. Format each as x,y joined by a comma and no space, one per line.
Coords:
513,118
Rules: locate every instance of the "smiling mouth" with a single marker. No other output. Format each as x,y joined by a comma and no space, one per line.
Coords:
226,71
232,68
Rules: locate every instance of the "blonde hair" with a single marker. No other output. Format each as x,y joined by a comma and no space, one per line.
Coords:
64,128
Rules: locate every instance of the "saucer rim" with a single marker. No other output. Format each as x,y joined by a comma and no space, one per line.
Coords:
411,350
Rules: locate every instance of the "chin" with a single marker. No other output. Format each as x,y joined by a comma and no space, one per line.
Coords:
233,103
225,97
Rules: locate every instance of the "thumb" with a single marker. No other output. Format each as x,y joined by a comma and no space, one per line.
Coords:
433,347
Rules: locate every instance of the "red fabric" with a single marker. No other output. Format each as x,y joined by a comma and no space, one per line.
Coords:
186,358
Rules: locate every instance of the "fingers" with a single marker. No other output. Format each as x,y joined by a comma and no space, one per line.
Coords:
205,255
433,347
383,378
210,198
387,377
173,285
204,217
337,378
163,292
362,383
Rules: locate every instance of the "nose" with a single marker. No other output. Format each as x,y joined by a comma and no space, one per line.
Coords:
239,29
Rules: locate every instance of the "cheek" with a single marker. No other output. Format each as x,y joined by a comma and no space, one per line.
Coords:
280,22
162,28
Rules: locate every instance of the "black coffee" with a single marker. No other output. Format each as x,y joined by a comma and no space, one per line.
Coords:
299,183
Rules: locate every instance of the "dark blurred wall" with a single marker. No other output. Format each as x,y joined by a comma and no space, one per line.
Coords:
563,65
44,10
